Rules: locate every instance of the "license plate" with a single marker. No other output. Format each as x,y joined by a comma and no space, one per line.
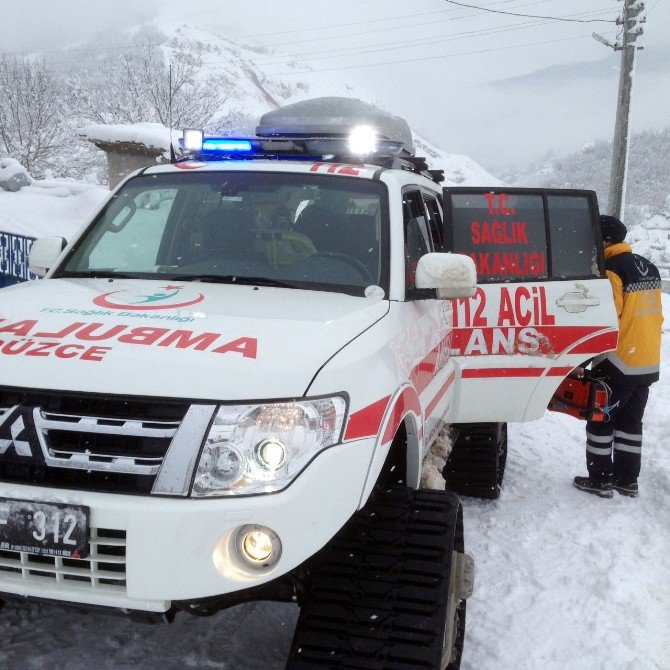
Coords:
46,529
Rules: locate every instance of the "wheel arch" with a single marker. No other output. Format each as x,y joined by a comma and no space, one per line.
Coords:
399,443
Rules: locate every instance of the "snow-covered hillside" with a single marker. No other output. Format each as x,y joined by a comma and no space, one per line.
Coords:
223,84
257,79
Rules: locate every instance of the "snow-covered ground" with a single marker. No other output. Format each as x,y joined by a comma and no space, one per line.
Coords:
565,580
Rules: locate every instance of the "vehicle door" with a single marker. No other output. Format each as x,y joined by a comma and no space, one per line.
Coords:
427,319
544,304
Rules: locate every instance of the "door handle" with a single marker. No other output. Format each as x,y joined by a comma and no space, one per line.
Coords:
576,302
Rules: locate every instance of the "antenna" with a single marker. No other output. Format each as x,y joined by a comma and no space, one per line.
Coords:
173,158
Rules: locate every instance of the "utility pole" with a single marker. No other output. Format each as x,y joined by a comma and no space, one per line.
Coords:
631,29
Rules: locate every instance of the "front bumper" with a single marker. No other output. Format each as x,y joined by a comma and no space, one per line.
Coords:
166,549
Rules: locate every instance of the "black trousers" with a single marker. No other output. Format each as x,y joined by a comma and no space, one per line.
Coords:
614,447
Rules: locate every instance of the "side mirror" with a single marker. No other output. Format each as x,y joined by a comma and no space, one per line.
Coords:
453,275
44,253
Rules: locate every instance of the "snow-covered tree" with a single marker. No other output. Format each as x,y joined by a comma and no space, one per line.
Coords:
134,86
32,126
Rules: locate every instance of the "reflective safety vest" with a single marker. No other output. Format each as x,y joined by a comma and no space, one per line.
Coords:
636,283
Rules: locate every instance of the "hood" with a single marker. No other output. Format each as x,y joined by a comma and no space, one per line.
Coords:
173,339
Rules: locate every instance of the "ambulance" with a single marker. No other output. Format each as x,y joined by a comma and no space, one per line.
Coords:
224,387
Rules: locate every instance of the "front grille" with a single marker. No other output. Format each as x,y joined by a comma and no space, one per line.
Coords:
87,442
104,569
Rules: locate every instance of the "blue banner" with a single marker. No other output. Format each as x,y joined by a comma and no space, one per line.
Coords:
14,250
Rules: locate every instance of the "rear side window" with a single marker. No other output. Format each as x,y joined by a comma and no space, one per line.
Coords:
525,234
573,251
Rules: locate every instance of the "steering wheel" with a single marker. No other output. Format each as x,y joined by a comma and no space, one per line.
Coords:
288,246
348,260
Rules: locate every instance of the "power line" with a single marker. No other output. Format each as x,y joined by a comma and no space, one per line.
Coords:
377,20
134,46
377,30
425,58
531,16
388,46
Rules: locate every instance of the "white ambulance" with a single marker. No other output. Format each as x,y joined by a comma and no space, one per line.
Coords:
225,385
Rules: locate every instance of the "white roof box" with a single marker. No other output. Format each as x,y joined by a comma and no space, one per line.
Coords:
328,117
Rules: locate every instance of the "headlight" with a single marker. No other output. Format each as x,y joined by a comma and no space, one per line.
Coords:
261,448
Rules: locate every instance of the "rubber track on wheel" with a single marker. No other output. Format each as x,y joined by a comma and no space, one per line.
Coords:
472,468
378,590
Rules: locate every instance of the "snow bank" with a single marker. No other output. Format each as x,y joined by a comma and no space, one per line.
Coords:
9,167
13,176
49,207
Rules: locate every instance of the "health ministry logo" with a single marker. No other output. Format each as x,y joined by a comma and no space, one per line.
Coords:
170,297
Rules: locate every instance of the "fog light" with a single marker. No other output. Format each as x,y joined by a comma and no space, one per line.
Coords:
258,546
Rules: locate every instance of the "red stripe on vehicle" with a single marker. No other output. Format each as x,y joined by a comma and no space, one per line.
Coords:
423,373
367,421
486,373
553,340
408,401
597,344
440,394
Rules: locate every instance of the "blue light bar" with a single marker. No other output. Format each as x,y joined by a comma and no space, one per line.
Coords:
214,144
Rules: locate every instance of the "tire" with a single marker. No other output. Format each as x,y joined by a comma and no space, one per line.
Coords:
476,465
380,594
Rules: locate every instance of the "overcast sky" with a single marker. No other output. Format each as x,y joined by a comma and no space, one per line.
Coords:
422,59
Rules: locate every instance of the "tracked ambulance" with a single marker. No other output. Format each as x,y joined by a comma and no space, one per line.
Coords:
224,387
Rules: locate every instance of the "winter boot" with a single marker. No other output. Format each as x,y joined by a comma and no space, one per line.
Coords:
630,490
601,489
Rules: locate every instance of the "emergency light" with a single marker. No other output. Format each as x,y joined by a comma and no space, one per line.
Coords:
225,145
324,129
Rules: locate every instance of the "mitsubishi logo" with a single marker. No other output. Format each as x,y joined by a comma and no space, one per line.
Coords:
11,431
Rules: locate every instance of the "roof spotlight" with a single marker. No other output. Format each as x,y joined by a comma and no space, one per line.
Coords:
192,139
363,140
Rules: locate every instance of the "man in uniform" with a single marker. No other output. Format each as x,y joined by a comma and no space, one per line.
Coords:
614,447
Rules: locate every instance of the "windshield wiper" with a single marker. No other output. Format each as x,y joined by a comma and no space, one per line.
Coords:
233,279
98,274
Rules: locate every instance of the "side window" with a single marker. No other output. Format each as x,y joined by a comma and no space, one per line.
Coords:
504,235
570,230
417,238
525,234
434,221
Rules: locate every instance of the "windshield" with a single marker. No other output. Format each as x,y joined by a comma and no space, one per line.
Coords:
295,230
